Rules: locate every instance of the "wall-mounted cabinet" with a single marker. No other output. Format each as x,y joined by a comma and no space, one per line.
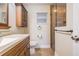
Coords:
21,15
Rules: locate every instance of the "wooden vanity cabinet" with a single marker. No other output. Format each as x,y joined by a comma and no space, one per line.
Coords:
21,49
21,15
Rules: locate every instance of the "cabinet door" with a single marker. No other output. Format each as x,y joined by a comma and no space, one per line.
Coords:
27,52
63,44
22,53
21,15
24,17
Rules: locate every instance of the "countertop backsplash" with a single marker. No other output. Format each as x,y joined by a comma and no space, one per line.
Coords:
5,32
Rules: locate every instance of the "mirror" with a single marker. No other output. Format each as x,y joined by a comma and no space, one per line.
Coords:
3,15
59,14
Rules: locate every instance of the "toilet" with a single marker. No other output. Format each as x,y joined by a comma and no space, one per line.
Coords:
33,45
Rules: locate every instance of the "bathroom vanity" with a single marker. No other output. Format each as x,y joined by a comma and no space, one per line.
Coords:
17,45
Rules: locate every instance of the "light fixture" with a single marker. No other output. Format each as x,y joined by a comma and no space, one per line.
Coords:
54,10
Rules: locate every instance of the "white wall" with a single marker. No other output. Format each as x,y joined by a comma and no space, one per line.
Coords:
12,22
69,15
76,27
45,31
76,19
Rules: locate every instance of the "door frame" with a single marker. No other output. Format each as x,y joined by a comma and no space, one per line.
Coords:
51,30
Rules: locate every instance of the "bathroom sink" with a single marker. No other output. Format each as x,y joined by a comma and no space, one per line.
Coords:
17,36
5,41
11,38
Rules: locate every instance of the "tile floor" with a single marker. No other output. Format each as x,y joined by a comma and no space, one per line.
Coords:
43,52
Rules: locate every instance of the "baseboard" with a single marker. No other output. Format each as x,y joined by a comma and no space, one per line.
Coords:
43,46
